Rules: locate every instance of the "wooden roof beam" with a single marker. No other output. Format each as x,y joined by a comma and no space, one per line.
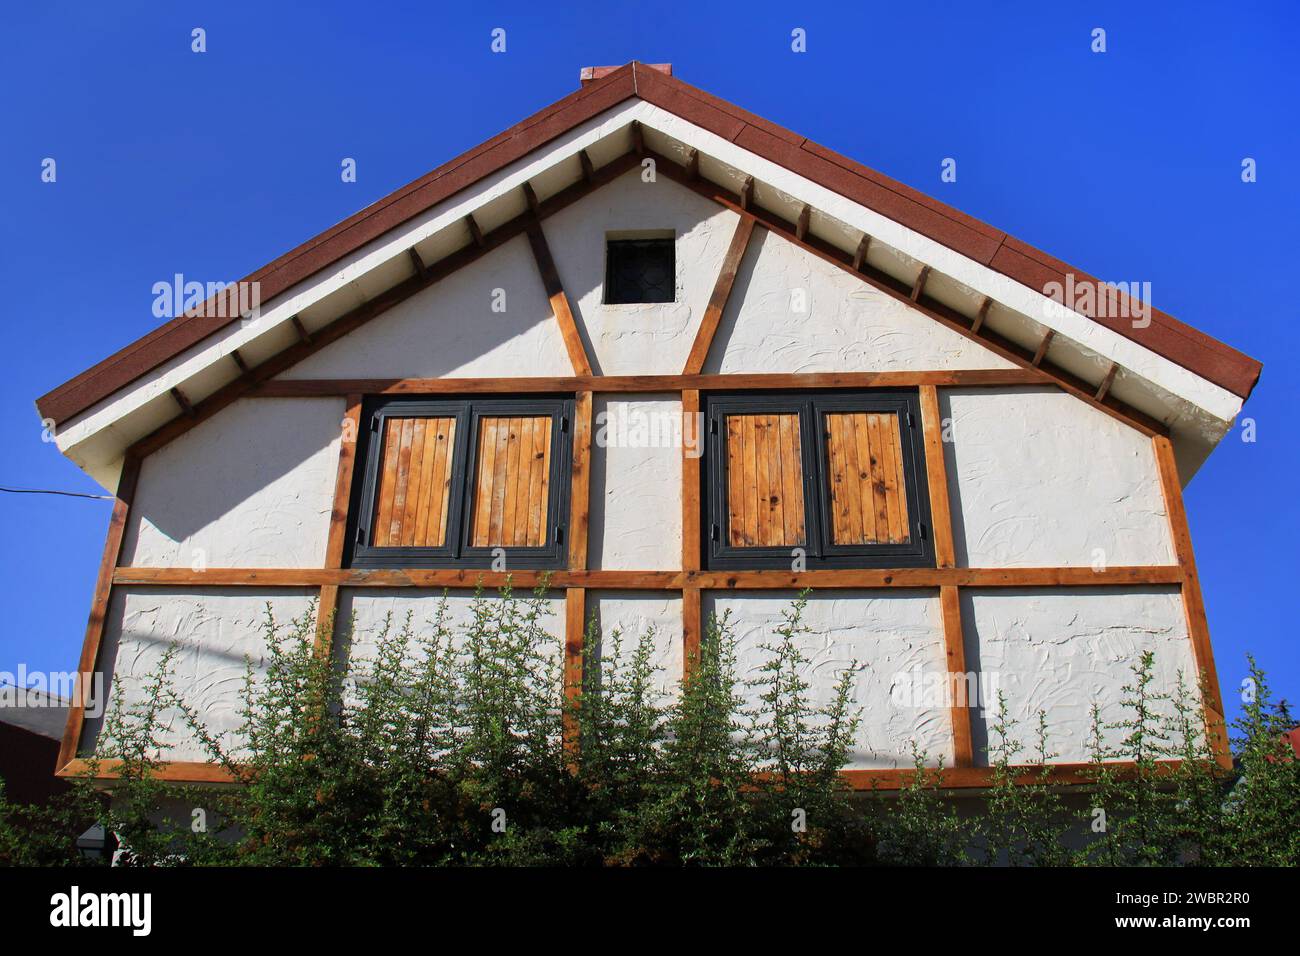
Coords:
860,255
918,287
981,315
1043,346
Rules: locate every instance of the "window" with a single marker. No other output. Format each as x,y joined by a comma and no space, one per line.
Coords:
453,483
640,270
839,475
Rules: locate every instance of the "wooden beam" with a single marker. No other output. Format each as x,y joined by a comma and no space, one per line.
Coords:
721,293
937,477
1198,627
475,233
918,287
126,486
588,170
801,226
580,483
303,334
746,192
981,315
884,779
559,300
531,197
416,261
575,627
1104,388
638,139
239,361
860,254
1043,346
692,630
327,606
968,378
692,449
963,746
377,306
185,405
693,163
470,578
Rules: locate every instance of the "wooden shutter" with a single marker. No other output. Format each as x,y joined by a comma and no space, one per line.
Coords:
764,481
414,487
511,491
865,470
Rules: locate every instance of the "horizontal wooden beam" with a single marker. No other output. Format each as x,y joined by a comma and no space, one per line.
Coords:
652,580
885,778
967,378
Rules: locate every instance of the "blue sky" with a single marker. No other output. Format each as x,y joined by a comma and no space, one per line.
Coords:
1125,164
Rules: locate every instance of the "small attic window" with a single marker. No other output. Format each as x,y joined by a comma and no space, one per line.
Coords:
641,269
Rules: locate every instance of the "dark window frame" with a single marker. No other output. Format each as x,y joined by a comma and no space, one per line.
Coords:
820,551
614,248
456,551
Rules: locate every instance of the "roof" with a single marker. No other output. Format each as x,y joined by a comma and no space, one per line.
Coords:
1179,343
33,710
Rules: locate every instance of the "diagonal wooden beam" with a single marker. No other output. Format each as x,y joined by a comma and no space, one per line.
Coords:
1104,388
588,170
559,300
801,225
329,593
746,192
474,231
721,293
1198,627
239,361
416,261
981,315
126,485
918,287
303,334
860,255
185,404
693,163
1043,346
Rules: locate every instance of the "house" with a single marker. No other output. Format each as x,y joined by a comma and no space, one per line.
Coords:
31,725
683,361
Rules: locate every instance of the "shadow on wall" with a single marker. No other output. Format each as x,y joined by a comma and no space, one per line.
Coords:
241,458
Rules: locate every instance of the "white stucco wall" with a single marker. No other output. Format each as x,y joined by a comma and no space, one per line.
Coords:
451,331
215,629
636,484
643,338
1061,650
637,613
1039,479
251,487
790,311
885,634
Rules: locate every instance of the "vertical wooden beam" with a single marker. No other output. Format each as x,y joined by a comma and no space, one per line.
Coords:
126,486
801,227
693,164
1198,628
692,626
334,546
746,192
937,475
239,361
691,518
860,255
918,287
1043,347
721,293
580,487
559,301
963,745
475,232
981,315
1104,388
575,623
638,138
588,170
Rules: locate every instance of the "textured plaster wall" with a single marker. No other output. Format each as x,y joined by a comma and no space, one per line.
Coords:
1039,479
790,311
885,635
251,487
1061,651
634,614
636,484
451,331
645,338
215,631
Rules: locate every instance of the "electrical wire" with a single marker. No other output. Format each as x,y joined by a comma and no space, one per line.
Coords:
44,491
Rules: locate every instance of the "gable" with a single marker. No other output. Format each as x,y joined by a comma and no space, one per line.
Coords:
981,282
